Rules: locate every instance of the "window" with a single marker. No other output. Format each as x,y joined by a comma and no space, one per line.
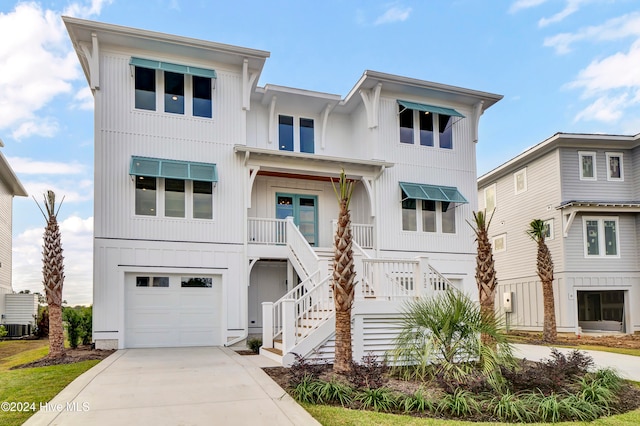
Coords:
174,198
145,88
426,125
499,243
288,128
520,181
184,90
548,229
614,166
152,281
176,195
202,200
601,236
196,282
428,215
490,198
587,165
145,196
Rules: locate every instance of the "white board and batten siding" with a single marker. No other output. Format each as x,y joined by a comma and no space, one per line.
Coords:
6,200
20,308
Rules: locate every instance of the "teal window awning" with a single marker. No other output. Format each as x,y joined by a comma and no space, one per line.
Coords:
421,191
430,108
173,169
167,66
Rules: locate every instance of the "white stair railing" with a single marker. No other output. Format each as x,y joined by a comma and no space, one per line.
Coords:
302,251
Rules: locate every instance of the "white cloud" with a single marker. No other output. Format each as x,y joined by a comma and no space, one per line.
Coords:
605,109
34,39
572,7
393,14
77,245
84,99
614,29
86,11
28,166
525,4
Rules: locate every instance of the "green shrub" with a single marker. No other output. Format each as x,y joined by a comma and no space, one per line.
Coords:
308,391
43,321
3,331
441,335
87,325
379,399
509,407
335,392
460,404
254,344
417,402
74,326
303,369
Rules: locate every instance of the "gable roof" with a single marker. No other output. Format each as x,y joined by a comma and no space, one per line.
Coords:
573,140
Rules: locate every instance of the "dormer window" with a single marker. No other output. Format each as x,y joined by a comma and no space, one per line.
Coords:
183,90
289,127
426,125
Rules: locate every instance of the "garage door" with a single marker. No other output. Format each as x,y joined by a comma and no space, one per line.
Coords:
172,310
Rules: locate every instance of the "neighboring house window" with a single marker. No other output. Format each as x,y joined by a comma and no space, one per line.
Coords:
428,216
601,236
145,196
587,165
520,181
490,198
614,166
425,128
499,243
548,229
287,131
184,90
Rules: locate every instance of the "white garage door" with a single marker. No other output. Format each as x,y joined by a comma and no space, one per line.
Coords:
172,310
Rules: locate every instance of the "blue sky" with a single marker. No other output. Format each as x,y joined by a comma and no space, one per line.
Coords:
562,66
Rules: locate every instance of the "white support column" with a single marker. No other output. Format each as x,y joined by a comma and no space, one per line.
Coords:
267,324
423,278
288,325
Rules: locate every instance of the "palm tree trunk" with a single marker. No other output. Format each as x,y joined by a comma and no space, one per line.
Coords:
56,332
343,356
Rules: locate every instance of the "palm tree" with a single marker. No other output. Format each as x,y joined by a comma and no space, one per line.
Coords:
485,268
53,274
537,231
343,276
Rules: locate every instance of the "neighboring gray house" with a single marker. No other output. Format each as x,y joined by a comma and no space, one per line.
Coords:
10,186
587,188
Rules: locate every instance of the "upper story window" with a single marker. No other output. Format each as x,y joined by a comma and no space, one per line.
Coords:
180,89
426,125
587,165
548,229
184,189
499,243
614,166
288,128
490,198
429,208
520,181
601,236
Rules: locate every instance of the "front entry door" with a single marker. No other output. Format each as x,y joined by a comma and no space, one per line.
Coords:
304,210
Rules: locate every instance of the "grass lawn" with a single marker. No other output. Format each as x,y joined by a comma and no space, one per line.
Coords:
337,416
31,385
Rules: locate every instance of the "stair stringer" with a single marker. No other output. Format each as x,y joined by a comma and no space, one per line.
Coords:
318,337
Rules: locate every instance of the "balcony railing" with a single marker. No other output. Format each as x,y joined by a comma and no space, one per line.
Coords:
267,231
362,233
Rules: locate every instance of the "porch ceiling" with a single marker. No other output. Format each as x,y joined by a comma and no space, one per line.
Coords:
309,166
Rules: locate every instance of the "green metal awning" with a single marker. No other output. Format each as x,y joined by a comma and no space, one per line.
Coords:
173,169
421,191
430,108
167,66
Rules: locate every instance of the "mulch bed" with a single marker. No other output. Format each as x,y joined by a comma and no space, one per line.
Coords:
81,353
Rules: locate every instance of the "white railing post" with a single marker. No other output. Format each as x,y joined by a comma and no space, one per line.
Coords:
288,325
267,324
422,278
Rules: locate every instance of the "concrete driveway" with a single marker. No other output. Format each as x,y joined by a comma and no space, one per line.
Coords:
174,386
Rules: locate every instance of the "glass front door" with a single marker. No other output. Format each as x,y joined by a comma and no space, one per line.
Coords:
304,210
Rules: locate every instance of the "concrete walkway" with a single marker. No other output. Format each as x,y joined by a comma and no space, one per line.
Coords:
174,386
627,366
